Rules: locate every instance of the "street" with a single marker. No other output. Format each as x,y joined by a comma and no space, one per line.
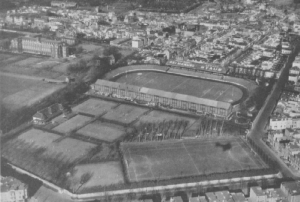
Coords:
258,127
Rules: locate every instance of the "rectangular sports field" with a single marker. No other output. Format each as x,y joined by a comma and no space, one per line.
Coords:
70,148
170,159
159,116
102,131
184,85
19,92
103,174
125,113
94,106
72,124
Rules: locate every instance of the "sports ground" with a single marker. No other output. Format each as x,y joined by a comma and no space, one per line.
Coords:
103,174
171,159
94,107
72,124
125,114
102,131
184,85
70,148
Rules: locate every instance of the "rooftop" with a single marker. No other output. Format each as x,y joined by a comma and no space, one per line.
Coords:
9,183
293,188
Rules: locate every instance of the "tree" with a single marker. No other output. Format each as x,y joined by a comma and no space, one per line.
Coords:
84,179
111,50
78,50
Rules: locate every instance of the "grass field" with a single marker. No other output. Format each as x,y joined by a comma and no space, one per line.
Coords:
3,56
159,116
29,61
184,85
125,113
70,148
9,85
165,160
18,92
102,131
103,174
72,124
30,92
94,106
13,58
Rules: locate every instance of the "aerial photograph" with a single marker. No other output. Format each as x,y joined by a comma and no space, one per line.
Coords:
150,100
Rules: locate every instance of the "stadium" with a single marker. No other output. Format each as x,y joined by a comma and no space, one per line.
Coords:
176,89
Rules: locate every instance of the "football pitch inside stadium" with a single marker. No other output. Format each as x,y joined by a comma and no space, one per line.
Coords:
184,85
172,159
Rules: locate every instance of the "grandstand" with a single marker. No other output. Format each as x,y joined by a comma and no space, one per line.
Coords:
156,97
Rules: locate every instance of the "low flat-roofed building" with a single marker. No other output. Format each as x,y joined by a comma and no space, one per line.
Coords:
223,196
257,195
211,197
292,190
238,197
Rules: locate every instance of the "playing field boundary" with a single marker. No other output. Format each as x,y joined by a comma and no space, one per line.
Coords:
145,160
139,188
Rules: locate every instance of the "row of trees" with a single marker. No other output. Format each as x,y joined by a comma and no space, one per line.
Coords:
209,127
267,159
90,70
176,129
156,131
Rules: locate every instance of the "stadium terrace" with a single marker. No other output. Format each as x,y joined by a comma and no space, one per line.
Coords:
161,98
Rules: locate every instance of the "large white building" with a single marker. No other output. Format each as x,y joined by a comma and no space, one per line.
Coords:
12,190
38,45
280,123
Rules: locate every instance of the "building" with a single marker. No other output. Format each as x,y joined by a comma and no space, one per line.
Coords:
64,4
12,190
257,195
42,46
161,98
280,123
238,197
292,190
44,115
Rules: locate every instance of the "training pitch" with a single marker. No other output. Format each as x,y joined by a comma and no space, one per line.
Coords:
103,174
159,116
102,131
184,85
94,107
70,148
72,124
125,114
171,159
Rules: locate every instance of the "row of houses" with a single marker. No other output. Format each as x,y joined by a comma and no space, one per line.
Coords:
287,192
161,98
284,133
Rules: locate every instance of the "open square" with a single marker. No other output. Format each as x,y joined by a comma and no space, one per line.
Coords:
125,113
102,174
184,85
72,124
94,107
102,131
171,159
